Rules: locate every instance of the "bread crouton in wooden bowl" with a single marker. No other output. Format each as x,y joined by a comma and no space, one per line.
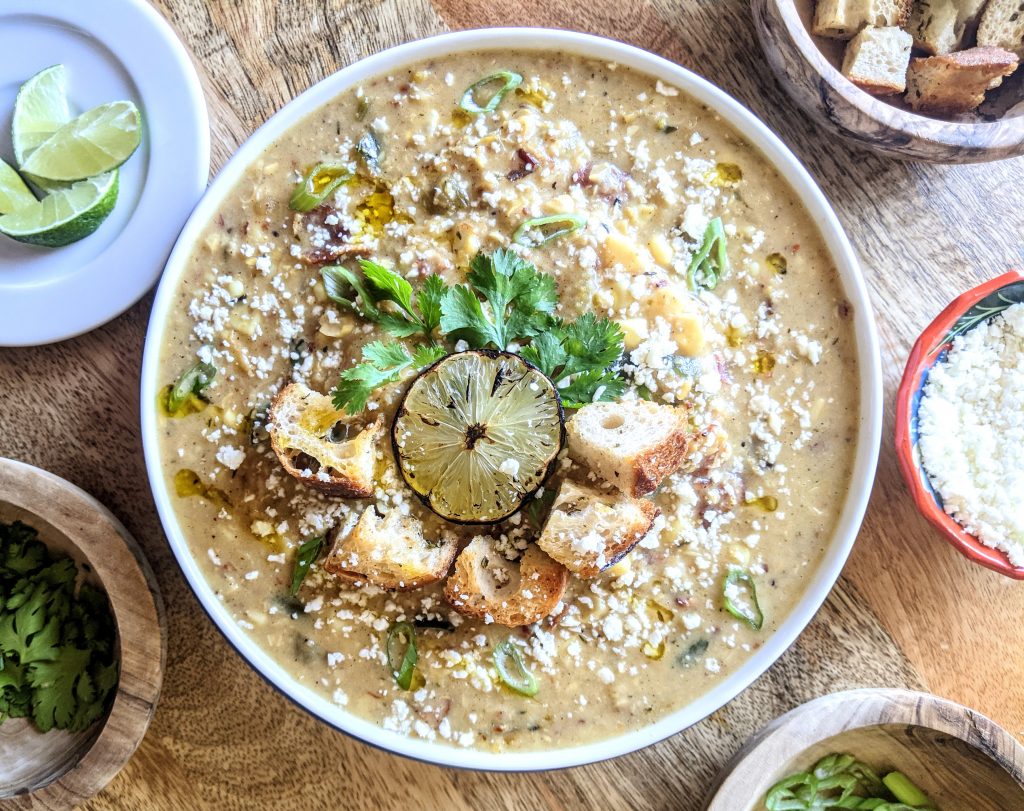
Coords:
927,80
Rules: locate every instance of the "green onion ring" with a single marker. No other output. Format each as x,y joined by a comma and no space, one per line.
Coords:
402,666
468,100
713,266
752,615
573,222
318,185
192,381
512,669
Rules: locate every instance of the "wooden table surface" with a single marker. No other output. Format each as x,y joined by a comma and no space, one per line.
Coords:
908,611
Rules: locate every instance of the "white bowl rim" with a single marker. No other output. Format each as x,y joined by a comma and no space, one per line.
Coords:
870,378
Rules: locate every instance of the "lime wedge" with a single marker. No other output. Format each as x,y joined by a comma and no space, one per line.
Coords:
40,109
97,141
64,216
14,194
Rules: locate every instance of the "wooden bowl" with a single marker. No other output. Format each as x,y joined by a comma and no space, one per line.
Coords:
959,758
58,770
973,307
783,26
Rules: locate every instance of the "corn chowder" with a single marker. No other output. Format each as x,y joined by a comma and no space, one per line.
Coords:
628,324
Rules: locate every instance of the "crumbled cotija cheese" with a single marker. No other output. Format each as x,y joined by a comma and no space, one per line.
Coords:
971,423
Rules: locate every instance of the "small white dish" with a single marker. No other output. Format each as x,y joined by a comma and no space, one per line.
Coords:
819,583
123,49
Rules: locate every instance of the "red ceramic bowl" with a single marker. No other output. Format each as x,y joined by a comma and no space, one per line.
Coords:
970,309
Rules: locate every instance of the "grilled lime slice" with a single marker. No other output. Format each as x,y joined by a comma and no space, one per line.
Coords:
477,433
63,216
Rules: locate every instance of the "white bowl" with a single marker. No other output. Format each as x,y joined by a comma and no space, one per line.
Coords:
870,398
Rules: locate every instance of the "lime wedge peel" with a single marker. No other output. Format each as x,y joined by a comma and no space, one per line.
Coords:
40,109
64,216
98,141
14,194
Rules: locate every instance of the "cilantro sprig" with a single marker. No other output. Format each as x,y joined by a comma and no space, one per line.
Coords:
57,654
377,285
505,301
382,363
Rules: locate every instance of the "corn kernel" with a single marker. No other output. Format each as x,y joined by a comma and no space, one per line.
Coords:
634,331
618,249
235,288
660,249
739,553
688,333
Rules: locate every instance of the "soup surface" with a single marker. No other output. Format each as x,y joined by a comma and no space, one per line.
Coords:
759,345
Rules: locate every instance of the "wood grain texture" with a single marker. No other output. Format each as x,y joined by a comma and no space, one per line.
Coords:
909,612
960,759
58,771
826,95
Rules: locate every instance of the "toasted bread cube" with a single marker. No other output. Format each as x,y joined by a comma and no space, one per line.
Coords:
956,83
635,444
843,19
1002,26
392,551
302,424
589,530
876,60
487,586
935,26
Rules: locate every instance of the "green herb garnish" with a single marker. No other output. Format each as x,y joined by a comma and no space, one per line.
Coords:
382,363
711,262
309,552
535,232
321,182
401,651
577,356
510,666
58,662
192,382
739,597
842,781
510,81
692,654
520,300
378,285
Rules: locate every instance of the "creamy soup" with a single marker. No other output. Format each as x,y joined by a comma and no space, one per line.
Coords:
756,346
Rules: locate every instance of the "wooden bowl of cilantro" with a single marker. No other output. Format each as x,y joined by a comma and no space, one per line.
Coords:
82,646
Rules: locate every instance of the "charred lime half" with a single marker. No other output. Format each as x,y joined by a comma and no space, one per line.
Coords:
477,433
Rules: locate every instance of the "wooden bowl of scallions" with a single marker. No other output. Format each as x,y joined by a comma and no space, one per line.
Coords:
878,750
82,644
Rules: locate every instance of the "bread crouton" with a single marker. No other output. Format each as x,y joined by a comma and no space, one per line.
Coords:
1002,26
589,530
487,586
956,83
843,19
876,60
635,444
935,27
303,425
392,551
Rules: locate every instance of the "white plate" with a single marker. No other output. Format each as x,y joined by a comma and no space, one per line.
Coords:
819,583
115,49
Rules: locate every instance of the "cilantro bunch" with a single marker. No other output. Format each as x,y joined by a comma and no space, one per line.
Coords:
506,301
57,655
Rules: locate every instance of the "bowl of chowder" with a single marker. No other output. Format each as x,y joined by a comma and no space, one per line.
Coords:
512,399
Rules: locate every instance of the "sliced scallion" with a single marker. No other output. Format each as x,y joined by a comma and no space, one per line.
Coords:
905,791
318,185
510,81
512,670
402,656
739,597
192,381
563,224
711,262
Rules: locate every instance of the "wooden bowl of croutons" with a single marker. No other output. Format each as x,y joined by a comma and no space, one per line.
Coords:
928,80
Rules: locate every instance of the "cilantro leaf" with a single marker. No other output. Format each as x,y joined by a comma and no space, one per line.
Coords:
546,353
520,301
429,301
593,386
389,285
592,343
309,551
382,363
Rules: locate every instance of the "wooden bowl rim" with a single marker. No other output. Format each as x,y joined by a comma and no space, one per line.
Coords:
890,706
140,627
1008,131
922,358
